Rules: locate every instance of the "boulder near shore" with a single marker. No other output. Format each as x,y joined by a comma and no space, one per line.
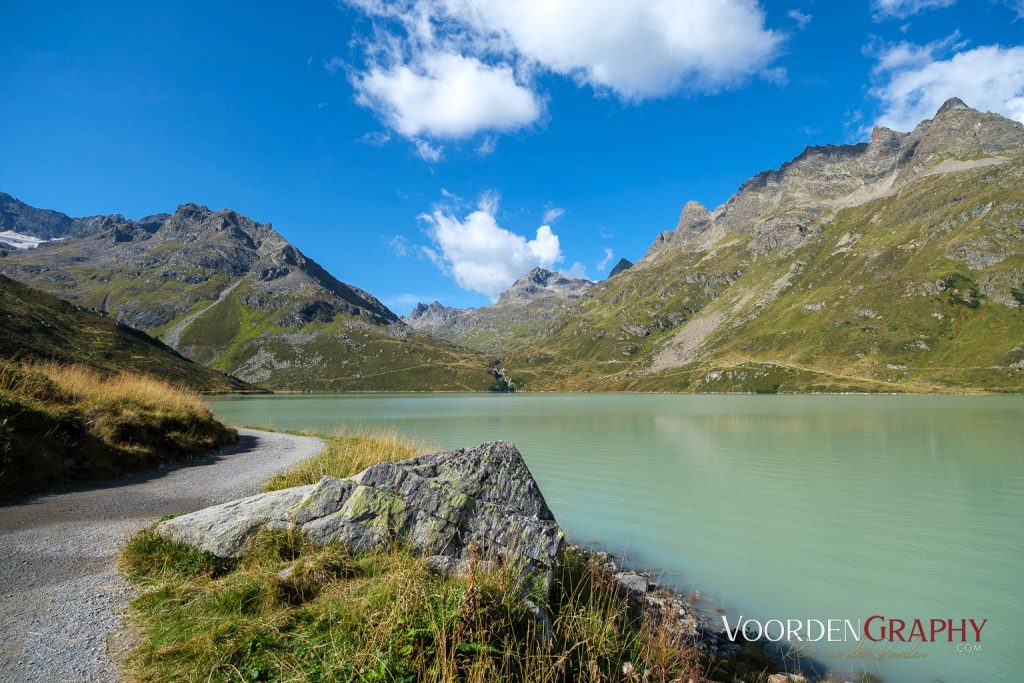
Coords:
446,506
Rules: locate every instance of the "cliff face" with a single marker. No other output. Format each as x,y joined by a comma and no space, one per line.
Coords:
781,208
622,265
893,264
232,293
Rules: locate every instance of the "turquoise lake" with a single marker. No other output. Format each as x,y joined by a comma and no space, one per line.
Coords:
776,507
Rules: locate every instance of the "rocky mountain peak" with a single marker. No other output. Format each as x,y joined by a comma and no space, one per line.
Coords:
191,210
694,218
952,104
195,244
540,276
781,208
958,131
18,217
430,315
543,282
883,138
623,264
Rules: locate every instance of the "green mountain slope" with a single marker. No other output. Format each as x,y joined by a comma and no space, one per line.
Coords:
233,294
38,326
891,266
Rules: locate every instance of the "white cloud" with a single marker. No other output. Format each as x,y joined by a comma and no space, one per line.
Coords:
487,145
447,96
334,64
452,68
553,214
635,48
901,9
800,18
577,271
377,138
427,151
913,81
398,244
481,255
608,256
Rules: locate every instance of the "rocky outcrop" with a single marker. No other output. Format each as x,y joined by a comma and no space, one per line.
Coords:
18,217
430,316
541,282
448,506
781,208
622,265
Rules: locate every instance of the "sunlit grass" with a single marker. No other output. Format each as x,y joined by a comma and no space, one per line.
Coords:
83,385
349,454
61,423
291,611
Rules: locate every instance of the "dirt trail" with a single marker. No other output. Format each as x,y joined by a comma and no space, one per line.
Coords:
173,335
60,597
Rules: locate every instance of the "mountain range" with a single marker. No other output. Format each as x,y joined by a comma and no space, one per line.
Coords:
233,294
890,265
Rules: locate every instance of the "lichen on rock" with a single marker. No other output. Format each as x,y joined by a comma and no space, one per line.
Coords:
451,504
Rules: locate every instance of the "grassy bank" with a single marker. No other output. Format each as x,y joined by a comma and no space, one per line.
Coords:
65,423
288,611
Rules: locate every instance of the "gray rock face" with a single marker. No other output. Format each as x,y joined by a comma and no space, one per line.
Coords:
528,307
446,506
694,219
541,282
224,529
623,264
781,208
19,217
430,316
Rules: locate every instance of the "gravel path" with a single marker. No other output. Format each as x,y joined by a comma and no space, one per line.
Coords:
60,597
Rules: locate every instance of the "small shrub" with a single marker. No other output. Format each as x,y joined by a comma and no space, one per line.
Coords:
962,290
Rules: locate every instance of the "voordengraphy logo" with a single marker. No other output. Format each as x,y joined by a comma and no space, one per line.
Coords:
877,628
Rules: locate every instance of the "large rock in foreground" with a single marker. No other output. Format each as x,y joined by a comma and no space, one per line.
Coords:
442,505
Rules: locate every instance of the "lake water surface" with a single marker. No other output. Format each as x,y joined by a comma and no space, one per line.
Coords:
777,506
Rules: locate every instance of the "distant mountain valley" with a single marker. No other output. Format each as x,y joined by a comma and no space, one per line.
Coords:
891,265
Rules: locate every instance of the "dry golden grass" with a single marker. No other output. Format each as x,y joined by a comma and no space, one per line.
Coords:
349,454
88,385
61,423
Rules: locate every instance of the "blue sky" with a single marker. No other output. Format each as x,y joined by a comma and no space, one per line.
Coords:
416,147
